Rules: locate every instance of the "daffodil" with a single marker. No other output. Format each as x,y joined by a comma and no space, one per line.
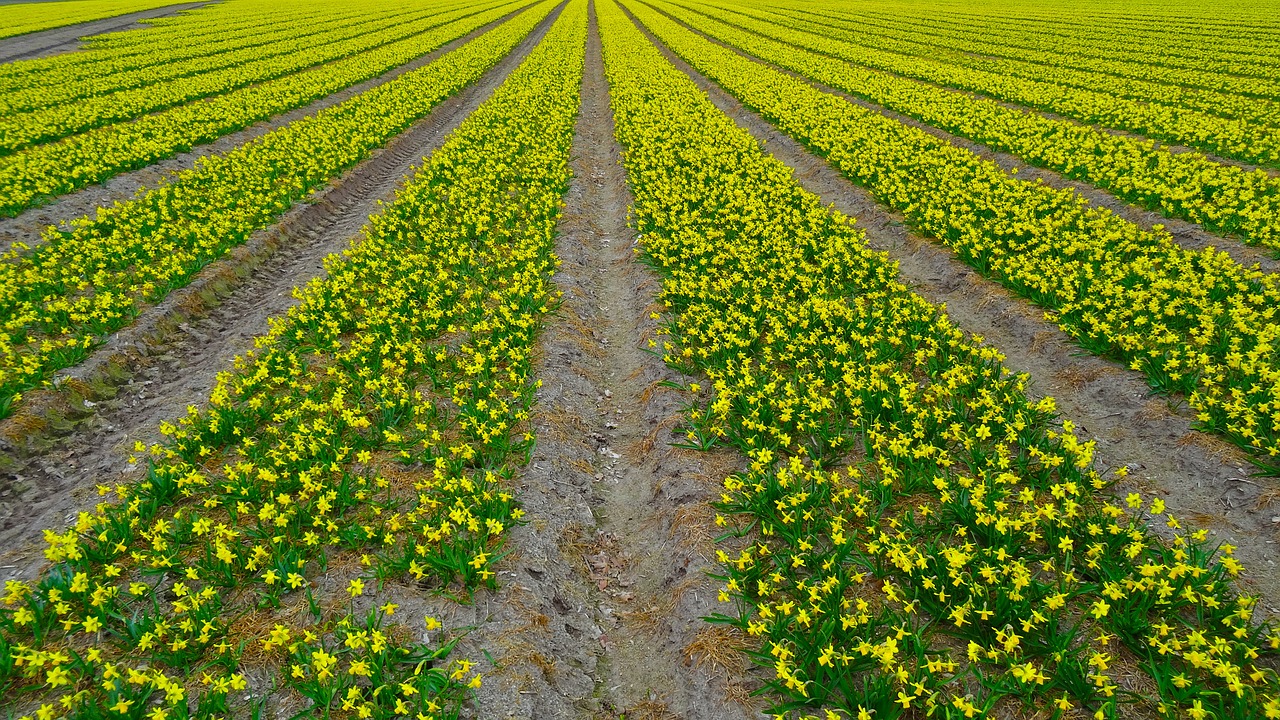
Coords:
968,502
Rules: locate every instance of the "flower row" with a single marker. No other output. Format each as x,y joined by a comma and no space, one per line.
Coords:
912,534
1193,322
372,428
347,41
1226,76
69,82
29,18
205,30
38,173
1187,185
58,298
1173,41
1252,99
1229,137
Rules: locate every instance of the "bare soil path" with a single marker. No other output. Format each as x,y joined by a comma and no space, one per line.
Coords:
600,606
27,226
170,357
67,38
1204,480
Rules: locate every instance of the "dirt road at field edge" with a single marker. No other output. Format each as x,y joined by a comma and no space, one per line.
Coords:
67,38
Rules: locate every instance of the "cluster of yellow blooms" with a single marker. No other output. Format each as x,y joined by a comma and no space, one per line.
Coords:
1227,53
24,18
1193,321
913,535
358,668
200,49
1249,99
1187,185
75,115
55,168
378,420
58,298
1241,139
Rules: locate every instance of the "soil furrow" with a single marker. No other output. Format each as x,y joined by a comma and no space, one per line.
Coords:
1204,480
28,225
170,357
1187,234
67,38
598,615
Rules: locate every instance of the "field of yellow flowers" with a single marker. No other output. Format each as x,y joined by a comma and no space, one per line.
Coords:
901,524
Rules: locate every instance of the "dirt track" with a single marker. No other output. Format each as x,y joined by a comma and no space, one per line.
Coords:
598,615
606,434
67,38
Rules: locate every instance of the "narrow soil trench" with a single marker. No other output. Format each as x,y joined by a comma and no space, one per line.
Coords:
646,562
599,609
67,38
28,226
1186,234
1204,480
170,357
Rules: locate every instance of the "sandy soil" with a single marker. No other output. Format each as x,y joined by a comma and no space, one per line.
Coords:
1202,478
53,453
598,615
67,38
